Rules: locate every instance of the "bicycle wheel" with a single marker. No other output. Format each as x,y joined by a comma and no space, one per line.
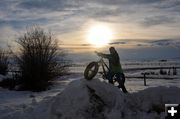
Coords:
91,70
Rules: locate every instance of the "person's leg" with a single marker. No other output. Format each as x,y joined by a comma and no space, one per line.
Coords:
110,77
123,88
121,82
123,78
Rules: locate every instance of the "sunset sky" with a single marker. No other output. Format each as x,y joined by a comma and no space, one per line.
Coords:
137,27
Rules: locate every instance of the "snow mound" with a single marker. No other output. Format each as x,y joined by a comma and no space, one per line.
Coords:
94,99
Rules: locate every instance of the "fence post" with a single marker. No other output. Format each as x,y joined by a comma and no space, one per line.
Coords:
144,79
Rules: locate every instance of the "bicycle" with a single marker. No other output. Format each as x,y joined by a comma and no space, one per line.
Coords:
93,67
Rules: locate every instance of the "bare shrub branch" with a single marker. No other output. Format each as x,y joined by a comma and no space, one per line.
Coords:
40,58
3,62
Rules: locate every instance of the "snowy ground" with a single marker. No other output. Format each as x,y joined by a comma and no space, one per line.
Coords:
95,99
62,100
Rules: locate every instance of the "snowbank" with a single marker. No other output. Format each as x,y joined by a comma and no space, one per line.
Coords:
99,100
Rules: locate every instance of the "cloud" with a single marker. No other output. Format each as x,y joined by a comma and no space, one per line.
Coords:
54,5
171,5
166,43
19,23
127,2
157,20
70,16
7,36
58,15
118,42
102,10
148,43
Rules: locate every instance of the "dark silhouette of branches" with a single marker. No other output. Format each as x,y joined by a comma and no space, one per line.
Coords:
3,62
40,59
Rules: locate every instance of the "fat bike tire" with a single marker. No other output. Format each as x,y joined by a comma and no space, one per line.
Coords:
91,70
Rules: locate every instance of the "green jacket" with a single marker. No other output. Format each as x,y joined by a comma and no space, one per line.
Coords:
114,62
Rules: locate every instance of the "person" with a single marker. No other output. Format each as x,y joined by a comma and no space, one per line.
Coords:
115,68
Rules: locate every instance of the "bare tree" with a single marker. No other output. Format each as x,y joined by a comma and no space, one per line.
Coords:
3,62
40,59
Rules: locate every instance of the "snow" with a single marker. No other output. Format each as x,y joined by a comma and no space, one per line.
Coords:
76,98
96,99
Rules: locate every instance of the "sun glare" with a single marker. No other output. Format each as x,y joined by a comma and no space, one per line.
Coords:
99,35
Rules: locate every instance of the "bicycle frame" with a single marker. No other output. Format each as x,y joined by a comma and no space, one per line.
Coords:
104,66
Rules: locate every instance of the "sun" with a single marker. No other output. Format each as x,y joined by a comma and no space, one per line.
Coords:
99,35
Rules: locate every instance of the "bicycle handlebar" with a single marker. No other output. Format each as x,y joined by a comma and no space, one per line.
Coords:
98,54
